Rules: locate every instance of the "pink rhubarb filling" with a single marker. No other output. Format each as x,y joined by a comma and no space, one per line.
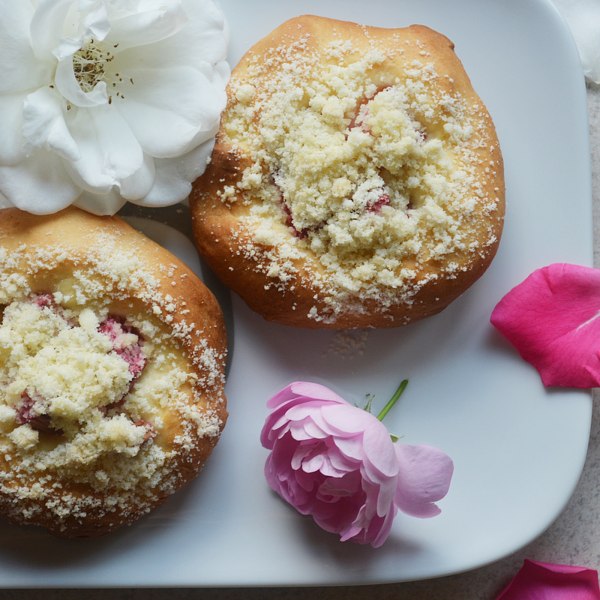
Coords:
359,121
131,353
31,408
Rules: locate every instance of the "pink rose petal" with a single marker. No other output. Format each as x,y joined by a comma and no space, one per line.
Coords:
380,453
544,581
315,391
552,320
300,432
285,395
347,418
424,479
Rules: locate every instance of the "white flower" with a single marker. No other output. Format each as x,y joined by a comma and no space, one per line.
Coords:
583,18
104,101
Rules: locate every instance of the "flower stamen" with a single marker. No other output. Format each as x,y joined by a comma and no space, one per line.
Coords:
89,65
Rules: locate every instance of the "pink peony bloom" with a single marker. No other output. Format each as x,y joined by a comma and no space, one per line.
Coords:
543,581
337,463
551,318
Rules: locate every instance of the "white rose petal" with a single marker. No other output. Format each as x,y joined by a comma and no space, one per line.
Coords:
105,101
96,24
109,150
39,184
47,25
583,18
141,182
148,27
172,107
67,85
205,37
173,175
20,69
45,125
4,203
68,47
221,77
101,204
11,139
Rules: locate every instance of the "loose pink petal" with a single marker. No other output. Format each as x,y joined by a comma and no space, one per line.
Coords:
552,320
544,581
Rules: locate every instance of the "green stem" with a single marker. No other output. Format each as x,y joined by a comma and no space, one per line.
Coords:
393,400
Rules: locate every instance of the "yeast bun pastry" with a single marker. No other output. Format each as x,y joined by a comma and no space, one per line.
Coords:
356,181
112,360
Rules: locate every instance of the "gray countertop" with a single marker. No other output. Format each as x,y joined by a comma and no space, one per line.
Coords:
574,538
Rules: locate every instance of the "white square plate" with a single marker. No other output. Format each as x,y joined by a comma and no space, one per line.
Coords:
518,448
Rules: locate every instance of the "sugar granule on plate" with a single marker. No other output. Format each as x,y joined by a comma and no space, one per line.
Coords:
348,343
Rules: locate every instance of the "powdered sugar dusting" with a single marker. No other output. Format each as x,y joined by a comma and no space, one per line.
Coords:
348,343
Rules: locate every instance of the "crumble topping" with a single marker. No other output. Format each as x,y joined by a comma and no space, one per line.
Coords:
374,169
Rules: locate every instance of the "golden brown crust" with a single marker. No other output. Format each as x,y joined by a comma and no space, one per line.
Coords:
128,274
222,201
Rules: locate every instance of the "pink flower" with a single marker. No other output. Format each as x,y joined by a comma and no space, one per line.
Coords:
543,581
337,463
551,318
